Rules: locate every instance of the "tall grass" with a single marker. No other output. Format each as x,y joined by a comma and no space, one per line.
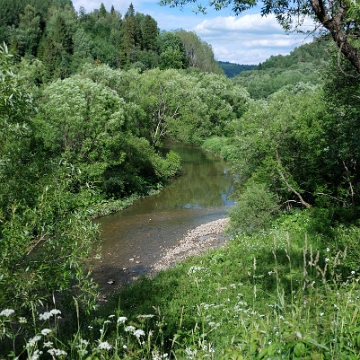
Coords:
287,293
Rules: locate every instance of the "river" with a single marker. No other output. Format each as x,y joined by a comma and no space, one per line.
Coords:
135,238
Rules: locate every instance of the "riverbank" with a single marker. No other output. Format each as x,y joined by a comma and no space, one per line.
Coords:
112,277
195,242
107,207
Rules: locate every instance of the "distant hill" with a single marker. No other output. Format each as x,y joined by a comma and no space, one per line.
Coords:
314,52
300,66
232,69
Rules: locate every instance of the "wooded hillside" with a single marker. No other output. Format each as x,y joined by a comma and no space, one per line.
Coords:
232,69
64,40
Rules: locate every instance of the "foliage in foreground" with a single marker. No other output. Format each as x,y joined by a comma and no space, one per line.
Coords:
290,292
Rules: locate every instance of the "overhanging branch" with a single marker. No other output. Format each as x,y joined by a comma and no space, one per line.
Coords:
302,201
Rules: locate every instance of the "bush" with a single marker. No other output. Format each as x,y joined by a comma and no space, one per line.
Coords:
255,208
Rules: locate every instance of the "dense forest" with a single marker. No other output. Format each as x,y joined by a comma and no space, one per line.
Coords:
231,69
304,64
64,40
86,100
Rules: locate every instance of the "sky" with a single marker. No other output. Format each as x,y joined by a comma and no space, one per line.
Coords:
245,39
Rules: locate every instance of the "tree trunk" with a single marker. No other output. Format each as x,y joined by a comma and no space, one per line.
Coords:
335,26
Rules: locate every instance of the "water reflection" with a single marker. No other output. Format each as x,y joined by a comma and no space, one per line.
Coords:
135,238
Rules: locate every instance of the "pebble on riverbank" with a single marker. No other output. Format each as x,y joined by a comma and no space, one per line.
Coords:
195,242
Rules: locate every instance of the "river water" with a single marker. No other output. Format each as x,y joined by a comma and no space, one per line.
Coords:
135,238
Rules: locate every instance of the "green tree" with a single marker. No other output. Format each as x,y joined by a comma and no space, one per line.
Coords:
341,134
255,209
9,16
44,229
50,56
103,11
149,33
57,45
81,122
61,35
29,31
278,143
339,18
131,34
10,10
199,53
172,51
82,49
185,106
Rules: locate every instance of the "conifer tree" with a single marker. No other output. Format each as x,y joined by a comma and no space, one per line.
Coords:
62,36
149,33
103,11
29,28
131,33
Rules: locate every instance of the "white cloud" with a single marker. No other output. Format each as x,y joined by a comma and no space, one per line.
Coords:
245,39
253,23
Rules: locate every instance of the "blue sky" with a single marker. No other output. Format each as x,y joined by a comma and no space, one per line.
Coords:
245,39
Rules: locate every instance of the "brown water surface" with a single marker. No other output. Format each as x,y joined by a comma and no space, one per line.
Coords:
135,238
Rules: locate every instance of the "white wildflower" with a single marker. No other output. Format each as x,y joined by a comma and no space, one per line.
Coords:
45,316
32,342
327,249
322,314
124,347
121,320
130,328
155,355
194,269
36,355
55,312
83,342
353,272
45,332
57,352
104,345
139,333
191,352
22,320
111,316
327,259
48,344
7,312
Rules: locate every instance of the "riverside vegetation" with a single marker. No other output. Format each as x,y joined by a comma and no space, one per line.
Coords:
81,128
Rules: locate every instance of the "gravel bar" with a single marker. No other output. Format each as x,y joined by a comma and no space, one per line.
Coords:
195,242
